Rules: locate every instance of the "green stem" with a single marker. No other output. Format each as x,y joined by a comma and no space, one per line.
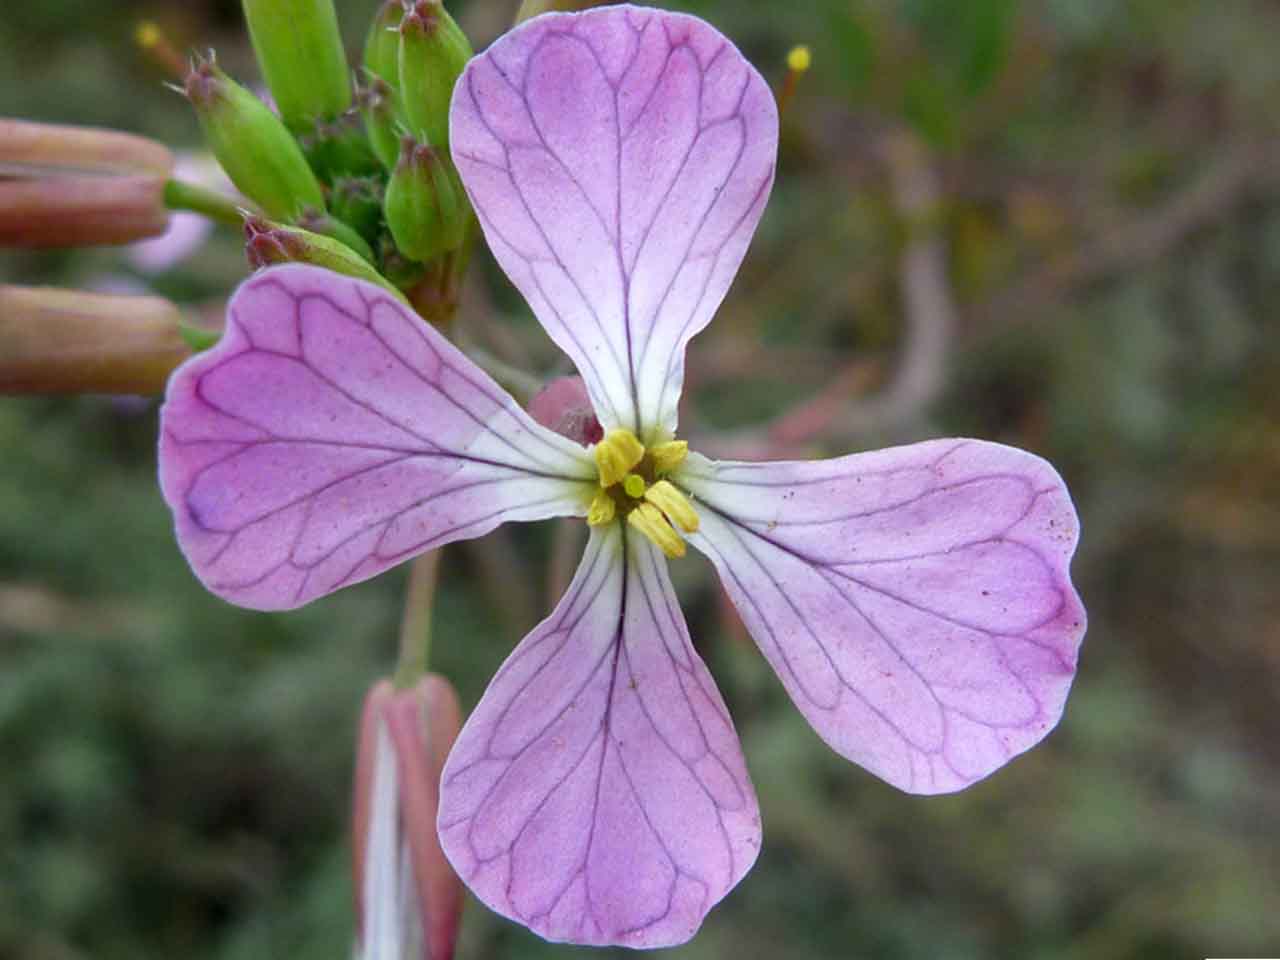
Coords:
415,628
180,195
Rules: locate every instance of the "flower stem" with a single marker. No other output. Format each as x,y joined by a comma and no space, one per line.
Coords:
180,195
415,628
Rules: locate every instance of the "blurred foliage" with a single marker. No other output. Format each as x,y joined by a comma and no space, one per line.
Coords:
177,771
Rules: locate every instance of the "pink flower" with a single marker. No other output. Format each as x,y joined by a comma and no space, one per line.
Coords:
915,602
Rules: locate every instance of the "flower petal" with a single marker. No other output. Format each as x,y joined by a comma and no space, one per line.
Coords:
598,792
619,160
915,602
333,433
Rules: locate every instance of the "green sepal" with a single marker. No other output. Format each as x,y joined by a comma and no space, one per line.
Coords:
299,48
254,148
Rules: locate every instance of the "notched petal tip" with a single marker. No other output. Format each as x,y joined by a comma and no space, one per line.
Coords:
331,434
915,602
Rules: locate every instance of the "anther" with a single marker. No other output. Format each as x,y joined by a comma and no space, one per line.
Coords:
616,454
667,456
634,485
602,510
649,520
674,505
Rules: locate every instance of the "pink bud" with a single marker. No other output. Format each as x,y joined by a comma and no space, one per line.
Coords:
408,899
563,406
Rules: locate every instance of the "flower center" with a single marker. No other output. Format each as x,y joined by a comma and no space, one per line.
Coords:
633,486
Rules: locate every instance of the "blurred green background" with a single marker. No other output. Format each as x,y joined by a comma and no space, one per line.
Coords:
176,771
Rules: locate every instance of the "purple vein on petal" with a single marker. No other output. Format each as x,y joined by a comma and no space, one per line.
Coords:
332,433
581,799
620,313
960,645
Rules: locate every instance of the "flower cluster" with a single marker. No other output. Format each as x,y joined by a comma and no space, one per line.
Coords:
915,602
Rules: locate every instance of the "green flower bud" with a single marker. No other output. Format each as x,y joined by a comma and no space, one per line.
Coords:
300,52
330,226
338,147
382,45
357,201
433,51
267,243
382,119
252,145
425,206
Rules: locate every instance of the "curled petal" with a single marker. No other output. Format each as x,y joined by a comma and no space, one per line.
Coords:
915,602
619,160
332,433
598,792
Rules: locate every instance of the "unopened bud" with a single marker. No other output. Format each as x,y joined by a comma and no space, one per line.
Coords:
339,147
268,243
252,145
425,207
382,120
357,201
300,51
63,341
433,51
330,226
564,406
382,43
408,899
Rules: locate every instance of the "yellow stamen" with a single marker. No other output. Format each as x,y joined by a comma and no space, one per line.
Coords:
649,520
602,510
799,59
616,454
633,485
667,456
674,504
